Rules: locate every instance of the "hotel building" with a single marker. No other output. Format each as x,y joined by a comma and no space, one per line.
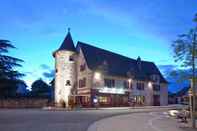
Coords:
92,76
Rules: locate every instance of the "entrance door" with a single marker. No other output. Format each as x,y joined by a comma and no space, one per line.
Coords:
156,100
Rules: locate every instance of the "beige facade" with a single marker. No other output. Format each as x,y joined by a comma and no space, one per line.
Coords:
92,83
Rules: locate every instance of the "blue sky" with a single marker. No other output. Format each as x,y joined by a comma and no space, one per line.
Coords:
129,27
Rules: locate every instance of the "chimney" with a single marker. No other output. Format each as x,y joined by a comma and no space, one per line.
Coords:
139,63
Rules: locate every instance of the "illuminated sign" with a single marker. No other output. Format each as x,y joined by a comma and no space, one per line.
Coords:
112,90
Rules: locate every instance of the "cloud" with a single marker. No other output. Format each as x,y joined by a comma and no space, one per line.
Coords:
45,67
177,78
49,74
167,69
28,73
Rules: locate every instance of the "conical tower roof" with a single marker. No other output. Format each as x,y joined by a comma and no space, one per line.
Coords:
67,44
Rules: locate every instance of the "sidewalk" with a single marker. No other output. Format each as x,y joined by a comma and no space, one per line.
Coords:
139,122
118,108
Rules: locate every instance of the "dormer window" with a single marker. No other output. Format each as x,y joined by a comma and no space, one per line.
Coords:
156,87
155,78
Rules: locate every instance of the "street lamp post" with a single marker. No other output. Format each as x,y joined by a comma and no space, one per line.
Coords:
193,85
192,102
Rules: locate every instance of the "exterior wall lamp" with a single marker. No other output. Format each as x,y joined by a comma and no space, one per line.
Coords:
97,76
129,80
150,84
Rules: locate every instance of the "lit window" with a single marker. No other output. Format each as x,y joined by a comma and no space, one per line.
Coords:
103,99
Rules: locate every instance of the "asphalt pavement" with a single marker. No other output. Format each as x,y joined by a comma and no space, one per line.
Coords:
56,120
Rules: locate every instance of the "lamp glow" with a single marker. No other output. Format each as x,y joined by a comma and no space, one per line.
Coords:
97,75
149,84
129,80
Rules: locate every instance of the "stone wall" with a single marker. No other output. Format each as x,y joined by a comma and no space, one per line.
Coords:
25,103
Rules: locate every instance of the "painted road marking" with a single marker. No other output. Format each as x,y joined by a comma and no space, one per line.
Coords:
155,117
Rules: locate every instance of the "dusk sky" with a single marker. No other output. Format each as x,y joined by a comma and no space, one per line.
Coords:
132,28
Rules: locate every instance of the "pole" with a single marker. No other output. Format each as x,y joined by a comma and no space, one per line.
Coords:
193,82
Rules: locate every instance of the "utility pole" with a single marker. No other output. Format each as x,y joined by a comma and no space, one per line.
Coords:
193,82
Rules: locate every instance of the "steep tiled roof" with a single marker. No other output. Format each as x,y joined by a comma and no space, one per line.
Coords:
118,65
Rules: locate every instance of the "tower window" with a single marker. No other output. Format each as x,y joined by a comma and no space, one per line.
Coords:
71,58
68,83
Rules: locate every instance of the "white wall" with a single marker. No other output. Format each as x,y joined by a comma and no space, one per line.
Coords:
66,70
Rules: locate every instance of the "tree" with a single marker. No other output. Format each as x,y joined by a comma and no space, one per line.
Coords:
185,51
9,76
40,88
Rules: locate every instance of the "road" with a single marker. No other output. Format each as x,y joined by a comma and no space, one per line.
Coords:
43,120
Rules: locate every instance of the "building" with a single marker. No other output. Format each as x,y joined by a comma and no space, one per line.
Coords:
180,97
91,76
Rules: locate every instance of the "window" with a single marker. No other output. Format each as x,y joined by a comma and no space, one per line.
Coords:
126,85
68,83
83,67
85,99
140,86
82,83
139,99
156,87
103,99
155,78
109,82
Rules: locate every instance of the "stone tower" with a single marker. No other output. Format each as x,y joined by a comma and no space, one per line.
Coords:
65,68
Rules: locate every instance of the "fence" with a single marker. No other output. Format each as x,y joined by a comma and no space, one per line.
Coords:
25,103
